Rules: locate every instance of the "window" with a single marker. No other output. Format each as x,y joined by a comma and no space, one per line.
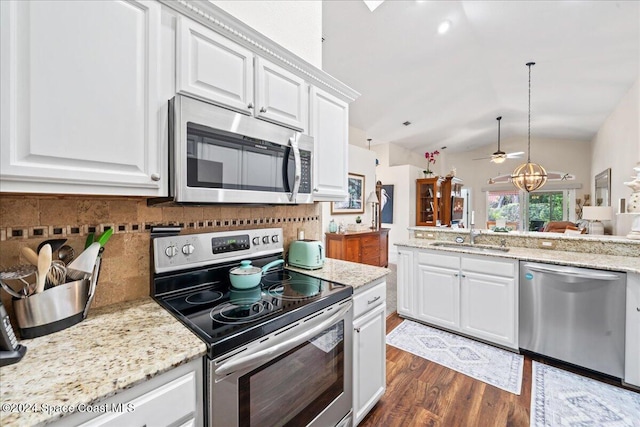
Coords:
534,209
503,205
545,207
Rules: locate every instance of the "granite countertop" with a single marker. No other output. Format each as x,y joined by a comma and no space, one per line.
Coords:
630,264
345,272
115,348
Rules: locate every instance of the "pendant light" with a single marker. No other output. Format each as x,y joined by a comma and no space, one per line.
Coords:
529,176
499,156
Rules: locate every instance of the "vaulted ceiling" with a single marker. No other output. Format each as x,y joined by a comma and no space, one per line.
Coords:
452,86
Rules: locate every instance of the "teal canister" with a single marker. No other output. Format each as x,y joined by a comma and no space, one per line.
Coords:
333,227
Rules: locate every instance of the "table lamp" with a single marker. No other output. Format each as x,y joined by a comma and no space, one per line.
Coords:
595,214
373,199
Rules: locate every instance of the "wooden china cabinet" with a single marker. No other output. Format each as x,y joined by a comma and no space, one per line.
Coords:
433,200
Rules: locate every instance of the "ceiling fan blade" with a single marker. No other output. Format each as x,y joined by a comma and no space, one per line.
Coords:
515,155
482,158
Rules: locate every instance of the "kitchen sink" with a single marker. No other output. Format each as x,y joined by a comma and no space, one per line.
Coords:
469,247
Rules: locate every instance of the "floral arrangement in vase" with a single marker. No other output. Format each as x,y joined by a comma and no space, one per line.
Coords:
431,158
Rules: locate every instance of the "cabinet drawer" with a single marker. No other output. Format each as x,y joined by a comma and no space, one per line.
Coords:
373,241
373,297
370,252
489,266
439,260
162,406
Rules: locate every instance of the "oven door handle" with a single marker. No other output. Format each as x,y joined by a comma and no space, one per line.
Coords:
298,174
234,364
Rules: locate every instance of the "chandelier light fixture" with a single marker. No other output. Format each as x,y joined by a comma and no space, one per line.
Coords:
529,176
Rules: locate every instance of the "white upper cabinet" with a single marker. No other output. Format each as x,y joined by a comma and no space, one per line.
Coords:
80,105
330,131
281,96
212,67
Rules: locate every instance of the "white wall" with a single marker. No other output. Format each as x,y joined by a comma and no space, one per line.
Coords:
622,131
554,155
403,178
363,162
295,25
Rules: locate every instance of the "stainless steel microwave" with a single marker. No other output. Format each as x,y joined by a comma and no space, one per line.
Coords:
221,156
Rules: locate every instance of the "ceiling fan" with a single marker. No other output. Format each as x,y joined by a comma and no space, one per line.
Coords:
500,156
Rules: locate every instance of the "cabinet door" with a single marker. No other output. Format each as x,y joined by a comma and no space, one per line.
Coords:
330,131
281,97
369,364
488,307
427,202
632,331
212,67
384,248
405,283
438,296
80,108
352,249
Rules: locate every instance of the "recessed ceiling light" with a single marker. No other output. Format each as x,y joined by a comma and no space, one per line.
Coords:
407,123
444,27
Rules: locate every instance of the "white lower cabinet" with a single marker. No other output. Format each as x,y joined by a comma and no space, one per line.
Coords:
438,296
632,331
473,294
369,349
405,287
174,398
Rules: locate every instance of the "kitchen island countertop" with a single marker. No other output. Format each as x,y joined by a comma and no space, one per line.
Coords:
346,272
115,348
629,264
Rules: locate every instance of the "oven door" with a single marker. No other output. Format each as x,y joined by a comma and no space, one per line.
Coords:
221,156
297,376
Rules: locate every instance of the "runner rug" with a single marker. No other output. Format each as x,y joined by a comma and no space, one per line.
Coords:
561,398
492,365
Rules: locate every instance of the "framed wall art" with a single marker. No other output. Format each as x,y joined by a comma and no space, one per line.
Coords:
355,203
386,204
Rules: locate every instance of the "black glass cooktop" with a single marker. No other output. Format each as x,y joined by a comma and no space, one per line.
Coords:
226,318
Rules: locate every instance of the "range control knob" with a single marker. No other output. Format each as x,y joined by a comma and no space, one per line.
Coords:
274,238
171,251
188,249
255,241
265,240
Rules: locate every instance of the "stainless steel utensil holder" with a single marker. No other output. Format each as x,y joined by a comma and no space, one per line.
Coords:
56,308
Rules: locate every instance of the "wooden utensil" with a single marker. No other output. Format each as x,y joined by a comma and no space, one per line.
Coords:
30,255
44,263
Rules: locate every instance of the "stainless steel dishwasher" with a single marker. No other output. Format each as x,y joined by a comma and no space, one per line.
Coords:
576,315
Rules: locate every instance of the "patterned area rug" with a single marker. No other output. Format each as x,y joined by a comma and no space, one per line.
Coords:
494,366
561,398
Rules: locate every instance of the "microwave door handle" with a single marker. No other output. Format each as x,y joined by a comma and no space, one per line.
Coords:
296,180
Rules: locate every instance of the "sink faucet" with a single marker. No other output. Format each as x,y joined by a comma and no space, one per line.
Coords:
473,233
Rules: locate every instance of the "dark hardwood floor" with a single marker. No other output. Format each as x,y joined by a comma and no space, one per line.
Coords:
423,393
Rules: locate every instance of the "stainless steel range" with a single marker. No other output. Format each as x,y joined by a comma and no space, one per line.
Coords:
280,353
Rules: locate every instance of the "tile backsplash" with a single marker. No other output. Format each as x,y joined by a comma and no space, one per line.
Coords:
27,220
